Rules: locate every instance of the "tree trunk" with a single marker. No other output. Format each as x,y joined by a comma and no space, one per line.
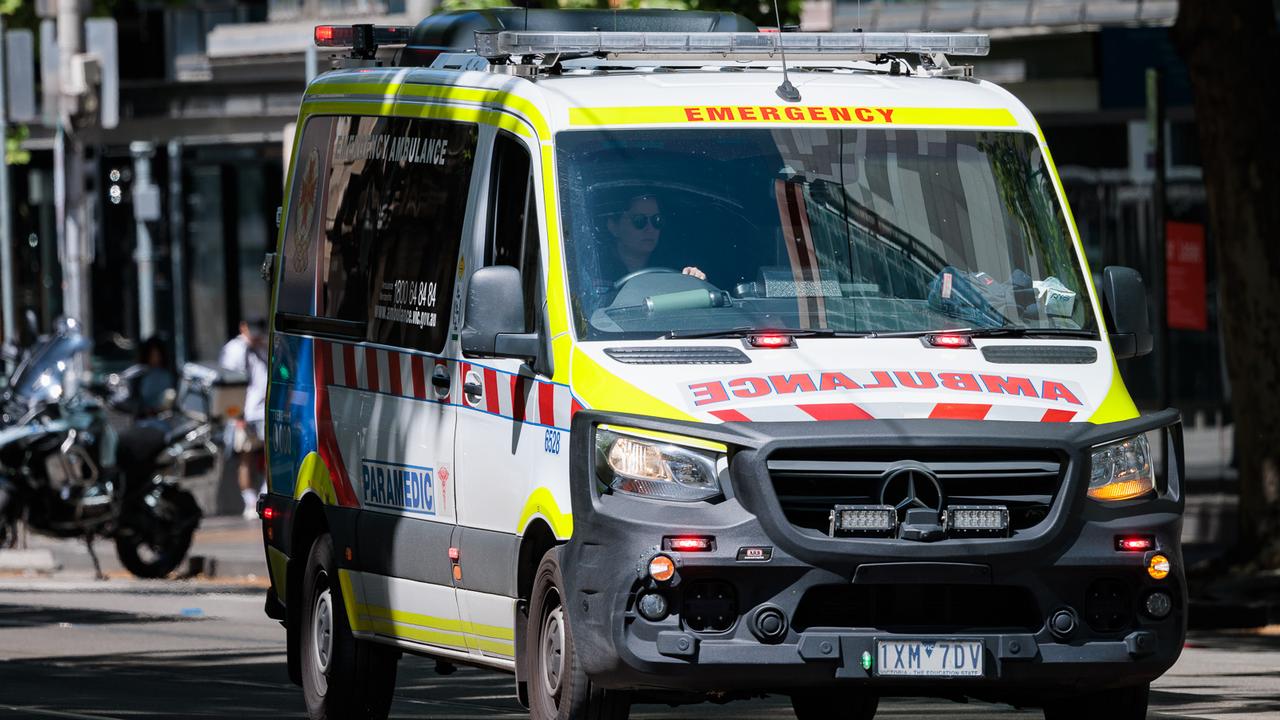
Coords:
1231,49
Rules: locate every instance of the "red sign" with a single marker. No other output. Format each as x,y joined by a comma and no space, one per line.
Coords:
1184,276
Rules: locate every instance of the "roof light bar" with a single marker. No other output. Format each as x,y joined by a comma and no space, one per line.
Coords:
345,36
500,44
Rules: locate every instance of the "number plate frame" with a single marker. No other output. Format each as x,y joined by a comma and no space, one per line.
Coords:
885,669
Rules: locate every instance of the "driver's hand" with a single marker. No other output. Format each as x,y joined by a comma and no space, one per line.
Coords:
694,272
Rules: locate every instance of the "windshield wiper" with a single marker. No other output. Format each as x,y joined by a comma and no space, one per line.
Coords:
988,332
745,330
1018,331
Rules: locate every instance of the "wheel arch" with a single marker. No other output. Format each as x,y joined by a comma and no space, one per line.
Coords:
309,523
537,539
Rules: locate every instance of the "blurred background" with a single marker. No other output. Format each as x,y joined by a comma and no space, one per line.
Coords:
184,177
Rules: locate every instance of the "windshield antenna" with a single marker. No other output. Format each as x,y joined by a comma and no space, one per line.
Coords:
786,90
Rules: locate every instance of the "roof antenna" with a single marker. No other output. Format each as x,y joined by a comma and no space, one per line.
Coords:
786,90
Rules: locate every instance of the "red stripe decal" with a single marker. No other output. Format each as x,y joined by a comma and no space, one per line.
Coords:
491,391
730,416
959,411
835,411
349,365
518,397
574,407
323,356
547,403
328,448
371,368
419,373
393,373
1058,415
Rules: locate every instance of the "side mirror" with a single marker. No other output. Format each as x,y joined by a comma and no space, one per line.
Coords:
495,316
1125,301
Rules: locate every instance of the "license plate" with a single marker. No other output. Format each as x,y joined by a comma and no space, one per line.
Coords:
929,658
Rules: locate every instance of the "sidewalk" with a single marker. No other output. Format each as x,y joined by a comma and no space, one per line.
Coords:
229,549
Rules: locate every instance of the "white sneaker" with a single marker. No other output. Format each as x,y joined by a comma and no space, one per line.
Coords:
249,514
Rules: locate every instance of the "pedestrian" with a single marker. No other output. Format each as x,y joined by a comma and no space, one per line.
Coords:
246,354
151,383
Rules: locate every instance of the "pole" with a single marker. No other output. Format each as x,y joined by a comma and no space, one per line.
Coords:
69,167
1156,110
176,245
143,256
9,327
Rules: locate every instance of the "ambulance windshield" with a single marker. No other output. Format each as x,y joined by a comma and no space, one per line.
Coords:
671,232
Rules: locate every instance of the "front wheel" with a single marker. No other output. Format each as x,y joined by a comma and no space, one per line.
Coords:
823,704
1119,704
342,677
155,537
558,688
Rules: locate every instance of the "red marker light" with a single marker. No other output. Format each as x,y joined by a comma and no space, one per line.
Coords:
690,543
454,554
324,33
1135,543
949,340
771,340
268,513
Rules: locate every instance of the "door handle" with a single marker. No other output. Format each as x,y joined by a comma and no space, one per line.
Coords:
473,388
440,381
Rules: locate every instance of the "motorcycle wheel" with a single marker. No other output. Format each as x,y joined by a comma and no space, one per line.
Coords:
154,545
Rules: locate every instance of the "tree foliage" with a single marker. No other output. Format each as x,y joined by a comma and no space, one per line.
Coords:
1241,149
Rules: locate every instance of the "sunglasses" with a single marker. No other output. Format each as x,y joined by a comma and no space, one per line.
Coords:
641,221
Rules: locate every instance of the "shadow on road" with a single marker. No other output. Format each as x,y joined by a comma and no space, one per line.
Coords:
12,616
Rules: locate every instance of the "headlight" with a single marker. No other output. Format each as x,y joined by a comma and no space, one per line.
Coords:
1122,470
656,469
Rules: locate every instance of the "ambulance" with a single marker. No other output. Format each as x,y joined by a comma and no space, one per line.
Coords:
654,358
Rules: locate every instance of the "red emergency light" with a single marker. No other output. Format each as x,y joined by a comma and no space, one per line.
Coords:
368,37
771,340
1135,543
949,340
268,513
690,543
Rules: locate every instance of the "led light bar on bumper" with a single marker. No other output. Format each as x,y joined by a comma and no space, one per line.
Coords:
499,44
863,520
655,468
1122,470
978,519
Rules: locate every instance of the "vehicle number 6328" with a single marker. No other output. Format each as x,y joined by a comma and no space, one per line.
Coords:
551,442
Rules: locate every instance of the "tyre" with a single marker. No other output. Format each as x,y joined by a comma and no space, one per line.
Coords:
558,688
153,539
1120,704
844,704
342,677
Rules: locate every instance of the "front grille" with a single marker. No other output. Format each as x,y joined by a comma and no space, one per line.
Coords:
810,483
911,608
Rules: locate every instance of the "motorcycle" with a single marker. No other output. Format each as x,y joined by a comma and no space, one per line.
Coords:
66,472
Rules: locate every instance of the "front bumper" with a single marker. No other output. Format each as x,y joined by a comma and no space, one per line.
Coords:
840,595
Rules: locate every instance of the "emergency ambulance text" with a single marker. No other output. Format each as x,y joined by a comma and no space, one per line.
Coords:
719,391
812,113
388,147
398,487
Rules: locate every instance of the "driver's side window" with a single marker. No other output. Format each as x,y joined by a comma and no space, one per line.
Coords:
513,221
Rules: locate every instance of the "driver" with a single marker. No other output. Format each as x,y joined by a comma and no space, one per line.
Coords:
635,233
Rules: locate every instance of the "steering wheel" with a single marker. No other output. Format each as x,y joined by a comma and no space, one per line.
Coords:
642,271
